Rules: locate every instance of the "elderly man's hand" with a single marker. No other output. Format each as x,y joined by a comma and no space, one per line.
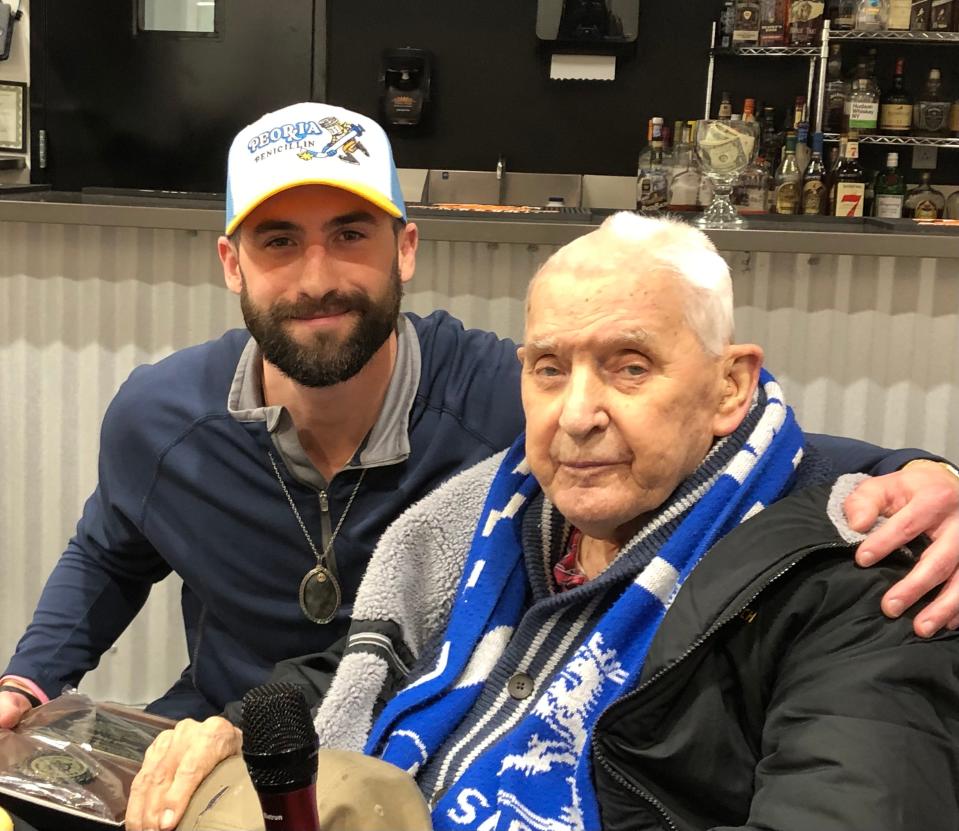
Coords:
175,765
923,497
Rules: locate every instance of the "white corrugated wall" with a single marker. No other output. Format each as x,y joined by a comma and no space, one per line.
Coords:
865,347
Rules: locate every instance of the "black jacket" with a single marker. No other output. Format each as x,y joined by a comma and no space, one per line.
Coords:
776,696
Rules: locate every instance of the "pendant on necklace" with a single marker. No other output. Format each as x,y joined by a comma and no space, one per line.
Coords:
319,595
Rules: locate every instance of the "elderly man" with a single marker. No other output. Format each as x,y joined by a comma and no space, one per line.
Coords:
632,638
611,625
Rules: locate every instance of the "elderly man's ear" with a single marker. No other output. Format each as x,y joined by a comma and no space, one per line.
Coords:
740,375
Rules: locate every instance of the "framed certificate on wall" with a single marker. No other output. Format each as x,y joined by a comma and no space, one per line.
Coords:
13,122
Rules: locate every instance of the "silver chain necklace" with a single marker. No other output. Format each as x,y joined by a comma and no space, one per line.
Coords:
320,594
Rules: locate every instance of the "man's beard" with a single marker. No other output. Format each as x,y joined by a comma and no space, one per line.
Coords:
325,360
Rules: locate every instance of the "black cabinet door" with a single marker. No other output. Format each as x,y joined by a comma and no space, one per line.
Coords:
127,108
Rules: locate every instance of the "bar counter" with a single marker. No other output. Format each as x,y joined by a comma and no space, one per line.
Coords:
795,235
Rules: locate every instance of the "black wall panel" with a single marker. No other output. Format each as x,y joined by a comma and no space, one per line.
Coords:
492,92
158,112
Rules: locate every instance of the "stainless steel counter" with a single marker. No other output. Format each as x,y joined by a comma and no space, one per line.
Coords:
812,235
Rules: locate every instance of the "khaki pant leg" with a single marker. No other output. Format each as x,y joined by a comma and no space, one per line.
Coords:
353,793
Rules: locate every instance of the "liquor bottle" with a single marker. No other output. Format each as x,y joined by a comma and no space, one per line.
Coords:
652,186
952,206
872,15
837,91
941,15
772,22
805,22
863,107
924,201
848,182
647,151
727,22
788,180
899,13
954,118
667,146
752,190
930,114
803,152
725,108
769,139
746,28
869,195
846,14
814,181
919,16
685,177
799,111
870,65
832,164
890,190
895,107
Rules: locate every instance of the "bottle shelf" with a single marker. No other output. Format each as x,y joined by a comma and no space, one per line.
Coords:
770,51
900,141
897,36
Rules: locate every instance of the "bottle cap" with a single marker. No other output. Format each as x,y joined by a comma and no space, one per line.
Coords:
934,75
892,160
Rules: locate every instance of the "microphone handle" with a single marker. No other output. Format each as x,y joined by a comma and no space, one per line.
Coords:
291,811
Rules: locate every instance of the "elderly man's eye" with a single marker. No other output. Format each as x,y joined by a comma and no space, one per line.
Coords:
633,370
548,370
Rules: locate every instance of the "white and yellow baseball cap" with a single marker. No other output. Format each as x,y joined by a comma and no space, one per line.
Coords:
310,144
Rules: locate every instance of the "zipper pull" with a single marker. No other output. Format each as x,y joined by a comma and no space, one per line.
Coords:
324,502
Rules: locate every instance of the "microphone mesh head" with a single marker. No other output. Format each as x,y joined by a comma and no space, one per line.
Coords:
279,740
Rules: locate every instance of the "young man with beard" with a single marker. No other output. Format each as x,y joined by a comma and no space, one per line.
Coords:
263,469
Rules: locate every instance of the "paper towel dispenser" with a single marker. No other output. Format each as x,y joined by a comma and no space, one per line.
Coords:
587,22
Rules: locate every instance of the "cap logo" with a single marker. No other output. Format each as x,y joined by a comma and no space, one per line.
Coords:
311,140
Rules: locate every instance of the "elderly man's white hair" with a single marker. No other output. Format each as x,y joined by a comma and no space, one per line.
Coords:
629,244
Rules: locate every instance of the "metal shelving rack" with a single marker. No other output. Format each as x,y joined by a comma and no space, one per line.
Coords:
901,141
898,36
810,52
942,38
820,53
771,51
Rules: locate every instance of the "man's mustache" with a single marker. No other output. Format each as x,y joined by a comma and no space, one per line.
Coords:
333,302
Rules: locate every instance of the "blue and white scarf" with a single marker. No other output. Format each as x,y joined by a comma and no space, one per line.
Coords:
538,774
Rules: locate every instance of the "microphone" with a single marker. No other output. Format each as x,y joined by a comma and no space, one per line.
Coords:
280,748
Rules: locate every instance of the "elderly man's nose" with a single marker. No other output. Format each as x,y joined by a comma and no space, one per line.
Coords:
582,406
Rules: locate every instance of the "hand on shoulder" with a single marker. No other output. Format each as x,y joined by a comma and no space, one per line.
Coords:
922,498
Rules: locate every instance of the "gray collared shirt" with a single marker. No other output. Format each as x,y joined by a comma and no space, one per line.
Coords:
387,443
